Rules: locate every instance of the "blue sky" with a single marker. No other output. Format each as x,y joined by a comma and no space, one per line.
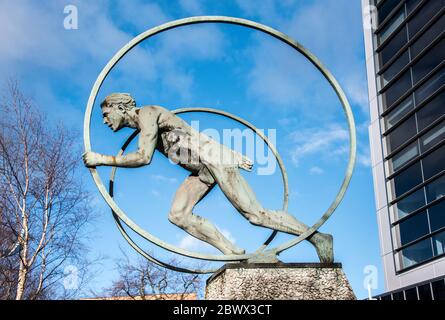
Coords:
217,66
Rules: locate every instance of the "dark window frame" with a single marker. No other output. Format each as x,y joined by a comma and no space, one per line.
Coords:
423,184
419,157
402,25
416,109
423,208
411,63
420,133
410,41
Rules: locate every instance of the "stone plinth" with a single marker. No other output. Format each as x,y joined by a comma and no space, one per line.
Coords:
289,281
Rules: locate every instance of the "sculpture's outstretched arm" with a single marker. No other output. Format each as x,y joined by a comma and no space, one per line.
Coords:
143,156
147,145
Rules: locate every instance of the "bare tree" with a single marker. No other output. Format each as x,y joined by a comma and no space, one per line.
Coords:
44,210
142,279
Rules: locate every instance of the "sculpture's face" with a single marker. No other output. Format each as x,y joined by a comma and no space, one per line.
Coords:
113,116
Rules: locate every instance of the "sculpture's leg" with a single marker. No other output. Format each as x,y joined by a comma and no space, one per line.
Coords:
181,214
239,193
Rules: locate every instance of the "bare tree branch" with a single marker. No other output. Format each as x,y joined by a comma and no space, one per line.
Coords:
44,209
142,279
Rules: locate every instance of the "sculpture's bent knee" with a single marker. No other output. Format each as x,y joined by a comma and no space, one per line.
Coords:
179,217
254,217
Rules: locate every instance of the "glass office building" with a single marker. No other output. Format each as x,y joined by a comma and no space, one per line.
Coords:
405,49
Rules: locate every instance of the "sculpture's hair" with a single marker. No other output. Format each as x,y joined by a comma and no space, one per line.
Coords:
120,99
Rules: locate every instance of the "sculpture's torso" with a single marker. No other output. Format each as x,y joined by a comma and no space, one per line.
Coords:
182,144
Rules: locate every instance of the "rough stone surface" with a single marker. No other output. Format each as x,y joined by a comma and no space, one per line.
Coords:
302,281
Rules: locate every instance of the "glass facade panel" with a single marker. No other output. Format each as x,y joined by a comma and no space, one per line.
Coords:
436,189
411,294
438,290
412,202
431,111
432,137
437,216
428,37
395,115
393,46
413,228
386,9
411,5
392,25
430,86
398,296
402,133
439,244
407,179
397,89
425,292
423,16
434,163
428,62
404,156
415,130
395,68
417,253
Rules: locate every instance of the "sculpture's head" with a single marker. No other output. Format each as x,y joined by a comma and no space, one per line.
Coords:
115,110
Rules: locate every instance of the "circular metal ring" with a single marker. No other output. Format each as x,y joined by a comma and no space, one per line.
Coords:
250,24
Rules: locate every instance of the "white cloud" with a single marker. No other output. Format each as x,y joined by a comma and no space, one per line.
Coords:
279,76
156,193
161,177
356,91
338,43
24,30
194,42
191,6
269,11
364,157
33,37
330,140
316,170
141,14
321,27
191,243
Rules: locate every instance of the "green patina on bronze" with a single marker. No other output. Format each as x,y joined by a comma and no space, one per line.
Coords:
260,254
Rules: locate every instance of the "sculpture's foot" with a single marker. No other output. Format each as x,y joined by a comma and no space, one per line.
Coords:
237,250
267,256
230,249
324,244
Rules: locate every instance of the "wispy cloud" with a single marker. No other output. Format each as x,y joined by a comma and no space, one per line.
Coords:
104,28
328,143
280,80
156,193
160,177
192,6
279,76
316,170
364,157
329,140
141,14
356,89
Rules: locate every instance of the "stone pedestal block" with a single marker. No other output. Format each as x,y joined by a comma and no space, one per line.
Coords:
277,281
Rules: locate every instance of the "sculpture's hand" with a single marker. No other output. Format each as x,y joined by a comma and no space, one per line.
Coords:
92,159
246,164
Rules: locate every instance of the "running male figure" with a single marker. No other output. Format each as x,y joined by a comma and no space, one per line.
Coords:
208,162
